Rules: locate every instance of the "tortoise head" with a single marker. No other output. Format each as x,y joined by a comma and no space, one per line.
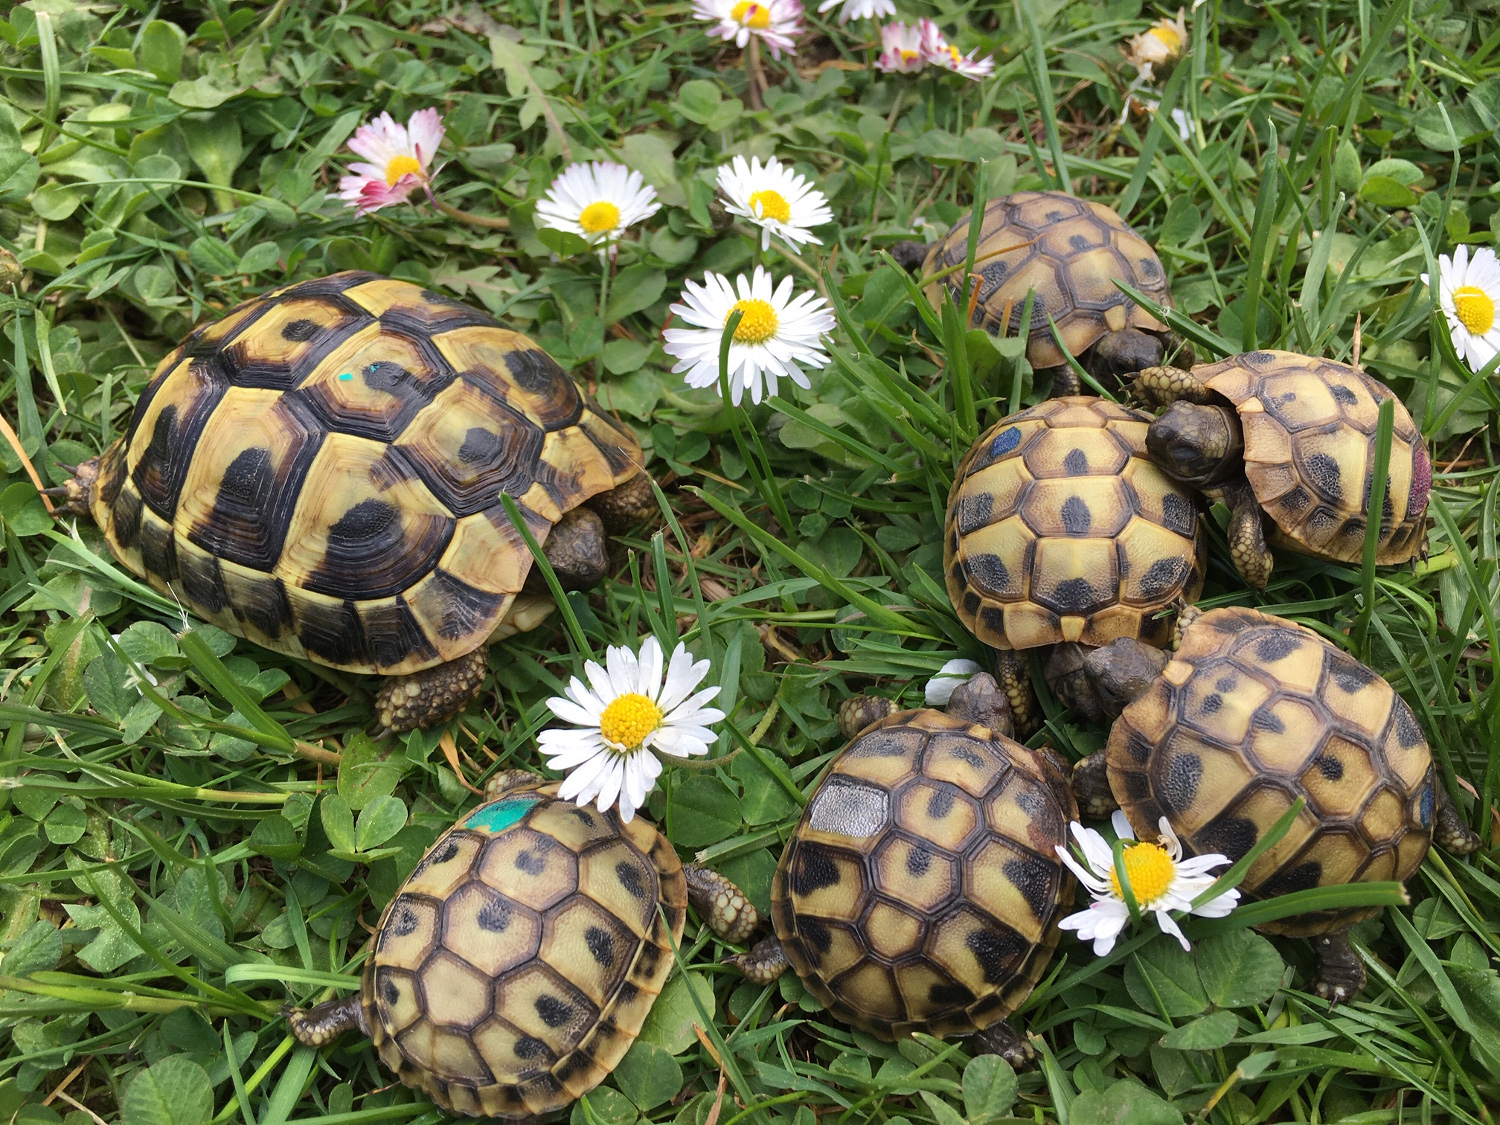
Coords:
1198,445
981,700
1124,352
1121,672
507,781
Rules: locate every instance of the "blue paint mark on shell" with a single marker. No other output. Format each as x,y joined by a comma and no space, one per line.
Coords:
497,816
1005,441
347,376
1426,807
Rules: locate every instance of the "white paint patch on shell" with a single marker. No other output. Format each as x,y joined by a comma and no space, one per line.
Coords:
849,809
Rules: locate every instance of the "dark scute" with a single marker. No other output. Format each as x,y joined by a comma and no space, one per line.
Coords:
1229,835
444,853
1330,767
480,446
1211,703
813,870
1277,645
887,743
1342,394
1180,786
391,992
601,944
1408,733
159,550
1325,474
993,619
125,518
918,860
370,554
940,803
530,863
1179,514
387,376
553,1011
202,582
249,480
494,916
1079,242
972,602
1139,747
466,608
1258,359
112,479
335,634
1076,463
1348,673
158,475
530,1047
403,920
1267,721
1137,786
1072,595
586,817
1163,575
974,511
1302,877
300,331
952,995
1225,683
369,521
997,953
1297,499
537,371
988,573
631,879
1029,799
1033,877
994,276
267,607
1076,517
815,933
394,633
1149,269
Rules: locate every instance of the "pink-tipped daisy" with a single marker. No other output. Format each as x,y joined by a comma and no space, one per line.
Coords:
900,49
777,23
400,159
939,52
859,9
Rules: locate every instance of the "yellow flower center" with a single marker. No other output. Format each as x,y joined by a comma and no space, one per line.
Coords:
909,56
1474,308
757,325
772,205
751,14
629,719
1150,870
402,166
599,217
953,55
1167,36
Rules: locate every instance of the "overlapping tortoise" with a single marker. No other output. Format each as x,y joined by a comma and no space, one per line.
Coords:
1070,251
320,471
1292,438
1251,713
516,965
1061,532
921,890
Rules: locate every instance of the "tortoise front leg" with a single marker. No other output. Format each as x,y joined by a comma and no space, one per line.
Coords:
431,696
1015,682
1341,974
721,904
765,961
1003,1040
321,1025
1247,536
1156,387
1448,828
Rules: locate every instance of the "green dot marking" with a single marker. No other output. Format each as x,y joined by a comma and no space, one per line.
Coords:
346,376
499,815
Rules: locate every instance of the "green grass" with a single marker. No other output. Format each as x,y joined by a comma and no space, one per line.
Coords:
194,832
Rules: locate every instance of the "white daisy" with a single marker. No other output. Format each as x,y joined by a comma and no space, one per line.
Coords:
777,23
950,677
1161,44
939,52
860,9
624,713
775,198
1469,292
776,333
1160,879
597,201
900,49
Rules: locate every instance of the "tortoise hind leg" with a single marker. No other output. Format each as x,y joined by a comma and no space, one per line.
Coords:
764,962
1448,828
1003,1040
431,696
1341,974
626,504
1015,682
321,1025
1096,800
1247,537
720,903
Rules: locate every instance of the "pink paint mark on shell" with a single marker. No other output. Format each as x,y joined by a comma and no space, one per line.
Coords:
1421,480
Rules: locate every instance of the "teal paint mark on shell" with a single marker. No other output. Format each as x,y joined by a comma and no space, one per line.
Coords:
497,816
346,377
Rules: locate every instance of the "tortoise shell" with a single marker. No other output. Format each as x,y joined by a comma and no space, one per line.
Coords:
320,471
922,889
1310,446
516,965
1252,713
1060,529
1070,251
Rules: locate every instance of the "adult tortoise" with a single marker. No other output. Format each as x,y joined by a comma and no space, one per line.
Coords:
1061,532
1251,713
921,890
1070,251
1293,438
515,966
321,472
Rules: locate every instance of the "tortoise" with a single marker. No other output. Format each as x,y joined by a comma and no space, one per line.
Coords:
517,963
1293,438
921,890
1251,713
1061,531
1071,251
320,471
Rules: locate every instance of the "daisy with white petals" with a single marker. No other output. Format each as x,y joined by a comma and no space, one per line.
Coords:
597,201
860,9
1160,879
400,158
1154,51
939,52
901,49
1469,293
775,198
951,676
777,22
622,714
777,332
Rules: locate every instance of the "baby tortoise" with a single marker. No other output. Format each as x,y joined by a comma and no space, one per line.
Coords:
514,968
1291,437
921,890
1070,251
320,471
1060,532
1251,713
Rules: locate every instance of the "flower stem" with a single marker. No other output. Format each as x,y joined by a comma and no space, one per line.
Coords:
752,71
485,222
607,267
